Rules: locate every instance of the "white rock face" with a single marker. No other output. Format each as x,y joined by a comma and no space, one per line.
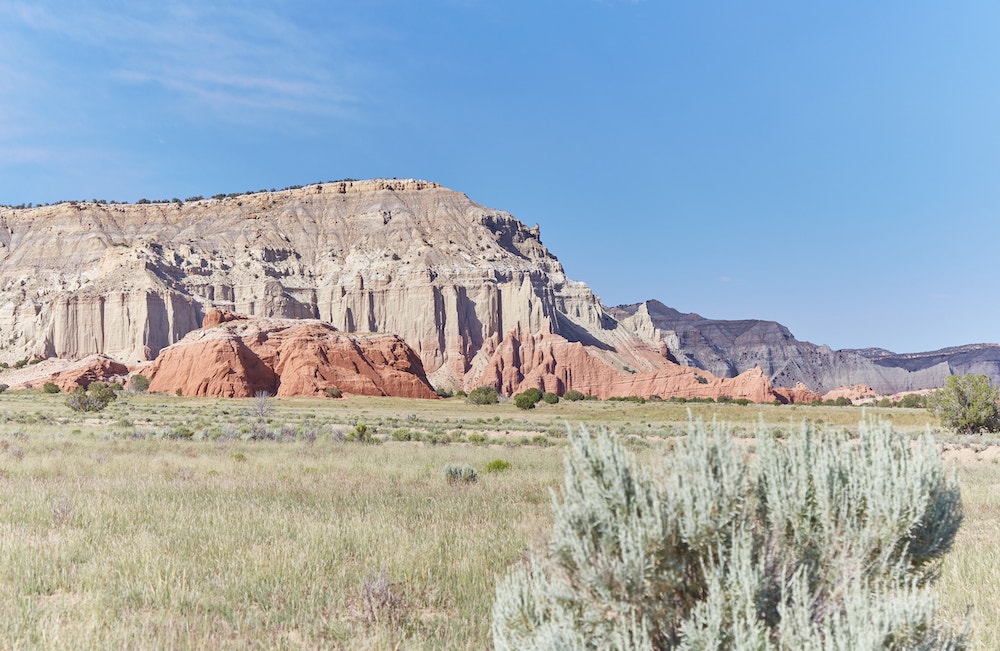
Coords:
449,276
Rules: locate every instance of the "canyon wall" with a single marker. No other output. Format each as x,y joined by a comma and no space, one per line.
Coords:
450,277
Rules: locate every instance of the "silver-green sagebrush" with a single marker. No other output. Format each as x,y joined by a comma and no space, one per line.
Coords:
820,541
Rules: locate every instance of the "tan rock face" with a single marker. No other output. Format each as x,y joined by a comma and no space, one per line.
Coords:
447,275
853,392
283,357
472,292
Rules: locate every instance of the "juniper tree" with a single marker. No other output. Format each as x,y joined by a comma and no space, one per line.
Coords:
821,542
967,404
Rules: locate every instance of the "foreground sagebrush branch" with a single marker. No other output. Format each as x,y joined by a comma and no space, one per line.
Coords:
817,542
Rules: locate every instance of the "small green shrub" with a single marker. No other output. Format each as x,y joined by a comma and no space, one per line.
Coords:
913,401
138,383
534,393
485,395
95,397
181,432
51,387
524,401
476,438
636,399
443,392
573,395
550,398
333,392
401,434
460,475
497,465
362,433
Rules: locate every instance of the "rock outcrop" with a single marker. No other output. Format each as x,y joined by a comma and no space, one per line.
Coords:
728,348
450,277
96,368
283,357
471,291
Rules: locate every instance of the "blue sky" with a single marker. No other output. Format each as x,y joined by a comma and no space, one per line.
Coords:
831,166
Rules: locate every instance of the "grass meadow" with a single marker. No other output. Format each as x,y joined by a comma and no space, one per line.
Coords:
168,522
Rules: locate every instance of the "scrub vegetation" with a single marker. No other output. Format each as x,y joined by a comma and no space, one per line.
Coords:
171,522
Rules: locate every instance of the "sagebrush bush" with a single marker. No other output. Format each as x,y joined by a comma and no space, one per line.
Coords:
823,542
460,475
573,395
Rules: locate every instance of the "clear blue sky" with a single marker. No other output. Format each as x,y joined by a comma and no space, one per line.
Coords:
834,166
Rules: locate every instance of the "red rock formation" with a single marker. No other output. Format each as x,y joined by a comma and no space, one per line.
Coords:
96,368
800,393
853,393
683,381
551,363
220,366
215,317
287,358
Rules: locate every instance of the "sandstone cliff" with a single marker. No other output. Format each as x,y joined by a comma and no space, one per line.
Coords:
450,277
470,289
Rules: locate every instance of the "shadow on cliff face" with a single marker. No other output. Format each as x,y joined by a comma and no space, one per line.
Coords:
575,333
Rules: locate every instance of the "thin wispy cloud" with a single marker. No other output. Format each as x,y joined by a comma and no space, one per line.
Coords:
221,58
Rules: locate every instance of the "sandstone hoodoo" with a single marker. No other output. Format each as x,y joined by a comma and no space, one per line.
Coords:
283,357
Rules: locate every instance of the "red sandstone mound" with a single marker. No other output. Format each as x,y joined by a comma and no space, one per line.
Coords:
854,393
285,357
800,393
552,363
96,368
215,317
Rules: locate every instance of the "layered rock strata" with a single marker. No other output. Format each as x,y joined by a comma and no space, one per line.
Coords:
728,348
283,357
450,277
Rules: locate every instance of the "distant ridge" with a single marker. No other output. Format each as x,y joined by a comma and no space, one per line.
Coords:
730,347
470,289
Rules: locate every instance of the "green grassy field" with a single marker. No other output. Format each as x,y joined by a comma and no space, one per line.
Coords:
159,523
